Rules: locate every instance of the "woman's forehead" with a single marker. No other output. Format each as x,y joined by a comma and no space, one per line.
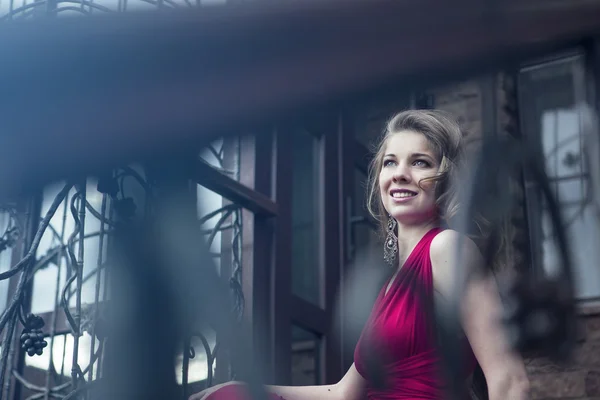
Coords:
407,142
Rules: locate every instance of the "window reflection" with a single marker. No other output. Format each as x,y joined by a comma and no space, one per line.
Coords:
5,260
306,217
51,278
27,9
197,366
221,221
62,355
224,156
364,228
306,349
551,95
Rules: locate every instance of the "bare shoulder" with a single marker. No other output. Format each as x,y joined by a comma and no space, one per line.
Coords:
445,246
444,251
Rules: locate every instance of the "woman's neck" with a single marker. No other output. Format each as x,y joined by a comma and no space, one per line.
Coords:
410,235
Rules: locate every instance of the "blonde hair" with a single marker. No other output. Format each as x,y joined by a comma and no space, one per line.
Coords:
445,137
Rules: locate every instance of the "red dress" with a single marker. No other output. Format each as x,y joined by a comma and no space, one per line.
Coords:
401,335
398,342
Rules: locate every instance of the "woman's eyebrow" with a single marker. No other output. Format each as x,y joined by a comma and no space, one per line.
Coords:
422,155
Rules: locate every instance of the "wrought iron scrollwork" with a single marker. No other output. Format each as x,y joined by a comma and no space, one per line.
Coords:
227,218
83,7
69,252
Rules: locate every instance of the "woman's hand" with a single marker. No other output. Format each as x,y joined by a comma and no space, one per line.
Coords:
203,395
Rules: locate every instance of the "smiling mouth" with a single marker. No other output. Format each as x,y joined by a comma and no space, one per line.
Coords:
402,194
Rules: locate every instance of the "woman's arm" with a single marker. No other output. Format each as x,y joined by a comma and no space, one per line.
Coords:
350,387
481,310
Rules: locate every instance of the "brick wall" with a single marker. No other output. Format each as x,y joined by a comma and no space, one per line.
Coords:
464,101
579,379
467,101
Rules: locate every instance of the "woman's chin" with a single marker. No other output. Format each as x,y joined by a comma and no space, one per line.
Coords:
414,218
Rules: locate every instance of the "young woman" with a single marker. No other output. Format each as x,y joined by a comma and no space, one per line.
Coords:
411,194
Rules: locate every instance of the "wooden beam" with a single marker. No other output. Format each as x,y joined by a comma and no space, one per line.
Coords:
233,190
309,316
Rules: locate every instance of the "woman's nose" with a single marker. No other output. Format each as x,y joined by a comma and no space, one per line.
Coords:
402,173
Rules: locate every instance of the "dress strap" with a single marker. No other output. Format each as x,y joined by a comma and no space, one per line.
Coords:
421,254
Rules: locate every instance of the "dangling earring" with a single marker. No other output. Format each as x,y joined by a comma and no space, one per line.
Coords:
390,248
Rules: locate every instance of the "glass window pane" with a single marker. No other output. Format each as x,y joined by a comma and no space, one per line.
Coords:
197,366
306,349
583,233
364,230
5,258
214,219
62,354
550,94
561,140
92,275
51,278
306,217
571,191
224,156
25,8
549,250
221,221
360,193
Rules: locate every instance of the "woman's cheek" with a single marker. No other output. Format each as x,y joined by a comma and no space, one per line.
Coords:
428,186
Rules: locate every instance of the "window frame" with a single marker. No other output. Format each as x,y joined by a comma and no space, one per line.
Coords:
532,195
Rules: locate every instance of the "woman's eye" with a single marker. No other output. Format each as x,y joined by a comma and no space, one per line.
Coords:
421,163
388,163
